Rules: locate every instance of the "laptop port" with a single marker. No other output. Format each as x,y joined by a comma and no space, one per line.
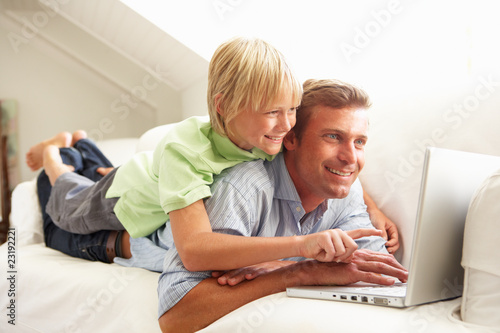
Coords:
354,298
364,299
380,301
343,297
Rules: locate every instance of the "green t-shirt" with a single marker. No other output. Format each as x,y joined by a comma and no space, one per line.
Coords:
178,173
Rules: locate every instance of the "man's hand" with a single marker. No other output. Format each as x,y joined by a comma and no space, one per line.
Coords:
388,228
233,277
334,244
365,265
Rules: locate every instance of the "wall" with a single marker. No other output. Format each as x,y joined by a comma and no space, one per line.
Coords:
194,98
64,79
352,40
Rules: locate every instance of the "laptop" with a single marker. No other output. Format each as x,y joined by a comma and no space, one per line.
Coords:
449,180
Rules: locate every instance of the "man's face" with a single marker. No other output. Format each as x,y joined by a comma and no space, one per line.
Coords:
330,155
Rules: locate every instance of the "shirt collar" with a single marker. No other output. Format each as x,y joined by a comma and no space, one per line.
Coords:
230,151
285,188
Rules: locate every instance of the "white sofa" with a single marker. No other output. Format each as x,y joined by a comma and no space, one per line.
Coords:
58,293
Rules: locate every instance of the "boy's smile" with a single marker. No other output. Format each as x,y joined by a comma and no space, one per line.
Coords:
264,129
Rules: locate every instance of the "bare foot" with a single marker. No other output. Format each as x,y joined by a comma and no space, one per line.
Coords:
77,136
104,171
34,157
53,164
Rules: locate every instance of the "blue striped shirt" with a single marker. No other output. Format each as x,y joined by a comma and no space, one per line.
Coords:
257,198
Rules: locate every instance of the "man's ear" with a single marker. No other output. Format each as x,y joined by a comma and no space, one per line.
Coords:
290,141
218,100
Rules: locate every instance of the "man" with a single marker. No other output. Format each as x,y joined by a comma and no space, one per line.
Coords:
311,187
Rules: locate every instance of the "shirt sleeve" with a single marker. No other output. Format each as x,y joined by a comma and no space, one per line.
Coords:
183,177
175,281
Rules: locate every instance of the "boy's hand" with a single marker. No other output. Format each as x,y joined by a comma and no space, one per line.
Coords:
334,244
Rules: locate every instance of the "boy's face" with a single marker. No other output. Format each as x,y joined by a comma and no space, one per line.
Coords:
264,129
330,155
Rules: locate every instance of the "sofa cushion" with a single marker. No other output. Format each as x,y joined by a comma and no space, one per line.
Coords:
481,258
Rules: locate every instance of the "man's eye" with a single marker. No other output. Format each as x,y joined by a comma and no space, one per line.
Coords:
359,142
332,136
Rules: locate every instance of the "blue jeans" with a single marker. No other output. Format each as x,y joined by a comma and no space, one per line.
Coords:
85,157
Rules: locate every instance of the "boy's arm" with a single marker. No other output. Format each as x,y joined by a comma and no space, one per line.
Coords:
201,249
208,301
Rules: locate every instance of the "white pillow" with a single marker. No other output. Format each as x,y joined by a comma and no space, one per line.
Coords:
26,216
150,138
481,258
118,151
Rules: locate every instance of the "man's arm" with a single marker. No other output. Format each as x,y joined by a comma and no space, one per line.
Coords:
209,301
382,222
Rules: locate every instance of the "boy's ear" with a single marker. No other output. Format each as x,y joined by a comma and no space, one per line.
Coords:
218,100
290,141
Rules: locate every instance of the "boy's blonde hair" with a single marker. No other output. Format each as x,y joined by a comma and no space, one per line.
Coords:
246,74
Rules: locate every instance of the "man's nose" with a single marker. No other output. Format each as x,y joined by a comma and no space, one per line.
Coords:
347,153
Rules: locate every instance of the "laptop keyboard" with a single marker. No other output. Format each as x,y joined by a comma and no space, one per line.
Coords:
393,290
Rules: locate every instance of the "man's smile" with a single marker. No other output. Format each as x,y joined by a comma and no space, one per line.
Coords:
340,173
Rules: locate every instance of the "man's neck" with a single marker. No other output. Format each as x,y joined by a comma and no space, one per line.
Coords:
309,201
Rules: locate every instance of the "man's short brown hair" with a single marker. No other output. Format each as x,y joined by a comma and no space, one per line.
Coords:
331,93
